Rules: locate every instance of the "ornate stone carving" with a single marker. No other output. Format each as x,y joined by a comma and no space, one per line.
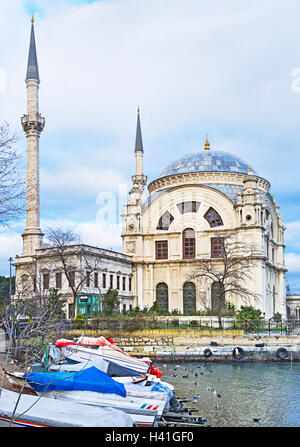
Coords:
130,247
33,123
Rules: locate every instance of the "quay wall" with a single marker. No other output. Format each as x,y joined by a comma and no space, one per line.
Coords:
187,337
188,344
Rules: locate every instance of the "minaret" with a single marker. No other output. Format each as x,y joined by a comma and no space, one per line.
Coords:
139,179
33,124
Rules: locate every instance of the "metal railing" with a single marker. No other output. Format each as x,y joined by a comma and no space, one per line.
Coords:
259,326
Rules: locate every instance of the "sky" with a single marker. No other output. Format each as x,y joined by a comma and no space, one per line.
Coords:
227,69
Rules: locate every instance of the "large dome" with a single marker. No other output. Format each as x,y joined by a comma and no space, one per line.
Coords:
207,160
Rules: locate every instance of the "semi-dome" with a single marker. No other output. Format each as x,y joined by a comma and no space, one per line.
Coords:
207,160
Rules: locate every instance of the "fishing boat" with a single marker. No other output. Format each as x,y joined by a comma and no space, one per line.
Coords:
37,411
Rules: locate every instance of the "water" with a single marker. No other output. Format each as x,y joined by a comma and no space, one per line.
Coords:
269,392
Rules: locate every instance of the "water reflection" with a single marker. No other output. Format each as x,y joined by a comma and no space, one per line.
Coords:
239,394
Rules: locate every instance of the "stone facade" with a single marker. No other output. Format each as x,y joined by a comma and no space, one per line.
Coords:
247,211
96,270
293,305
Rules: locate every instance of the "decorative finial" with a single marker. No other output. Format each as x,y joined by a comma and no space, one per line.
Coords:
207,145
138,110
32,19
250,170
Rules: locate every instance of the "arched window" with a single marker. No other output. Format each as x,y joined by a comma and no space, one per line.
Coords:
189,243
213,218
189,298
165,221
162,297
217,296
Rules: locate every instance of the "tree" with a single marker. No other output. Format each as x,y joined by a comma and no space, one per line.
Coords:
31,321
249,313
226,275
4,287
110,301
65,251
12,183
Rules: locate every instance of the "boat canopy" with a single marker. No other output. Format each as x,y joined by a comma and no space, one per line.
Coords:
90,379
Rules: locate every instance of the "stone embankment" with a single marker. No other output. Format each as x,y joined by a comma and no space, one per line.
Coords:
212,346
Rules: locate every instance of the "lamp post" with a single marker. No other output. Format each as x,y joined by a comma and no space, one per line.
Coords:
10,285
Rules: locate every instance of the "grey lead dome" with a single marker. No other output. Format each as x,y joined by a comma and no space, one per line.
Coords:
207,161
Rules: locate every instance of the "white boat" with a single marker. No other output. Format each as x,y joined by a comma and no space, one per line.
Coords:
143,417
145,404
36,411
145,413
87,349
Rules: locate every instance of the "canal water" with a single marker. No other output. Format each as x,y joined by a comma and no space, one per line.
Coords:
239,394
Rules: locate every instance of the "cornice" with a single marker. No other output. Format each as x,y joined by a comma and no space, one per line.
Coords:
202,177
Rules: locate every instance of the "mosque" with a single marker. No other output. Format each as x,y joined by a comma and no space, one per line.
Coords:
191,205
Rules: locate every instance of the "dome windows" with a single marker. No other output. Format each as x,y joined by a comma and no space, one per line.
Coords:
165,221
213,218
188,207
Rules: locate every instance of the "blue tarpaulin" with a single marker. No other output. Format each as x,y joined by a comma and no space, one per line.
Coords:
90,379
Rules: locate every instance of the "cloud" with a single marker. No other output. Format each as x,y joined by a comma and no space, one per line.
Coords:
81,181
292,233
293,262
97,233
11,245
194,68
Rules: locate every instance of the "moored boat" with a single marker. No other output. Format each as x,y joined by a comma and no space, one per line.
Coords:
37,411
145,404
86,349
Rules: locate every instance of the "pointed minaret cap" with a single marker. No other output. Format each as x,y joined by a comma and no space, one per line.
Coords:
32,66
207,145
138,139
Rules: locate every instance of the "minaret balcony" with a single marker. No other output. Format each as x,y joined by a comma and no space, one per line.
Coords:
33,124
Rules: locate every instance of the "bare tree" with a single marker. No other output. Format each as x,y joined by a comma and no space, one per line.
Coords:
228,274
30,321
12,184
67,252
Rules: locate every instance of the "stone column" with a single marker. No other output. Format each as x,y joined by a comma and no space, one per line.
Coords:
33,124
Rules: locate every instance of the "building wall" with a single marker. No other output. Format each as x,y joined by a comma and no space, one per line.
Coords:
80,259
264,231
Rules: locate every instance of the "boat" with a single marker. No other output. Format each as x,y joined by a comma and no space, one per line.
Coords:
137,379
38,411
18,383
86,349
145,404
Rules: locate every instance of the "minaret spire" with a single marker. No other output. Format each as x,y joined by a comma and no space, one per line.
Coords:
33,124
138,139
139,179
32,66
